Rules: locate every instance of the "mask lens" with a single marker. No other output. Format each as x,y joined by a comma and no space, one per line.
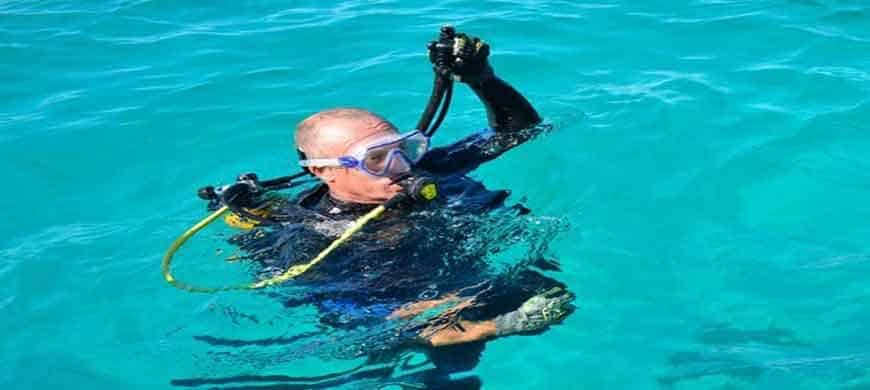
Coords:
397,164
376,159
414,147
381,158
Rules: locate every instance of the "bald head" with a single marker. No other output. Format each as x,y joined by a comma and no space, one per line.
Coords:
329,133
340,132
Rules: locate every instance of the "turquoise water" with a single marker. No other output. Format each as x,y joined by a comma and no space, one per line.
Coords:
709,156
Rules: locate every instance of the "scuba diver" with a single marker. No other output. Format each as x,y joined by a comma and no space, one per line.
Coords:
363,162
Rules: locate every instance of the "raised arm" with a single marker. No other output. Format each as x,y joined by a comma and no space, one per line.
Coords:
512,119
506,109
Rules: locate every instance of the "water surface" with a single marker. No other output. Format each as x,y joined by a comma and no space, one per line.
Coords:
710,158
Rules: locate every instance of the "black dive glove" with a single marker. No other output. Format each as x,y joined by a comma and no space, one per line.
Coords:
244,193
466,58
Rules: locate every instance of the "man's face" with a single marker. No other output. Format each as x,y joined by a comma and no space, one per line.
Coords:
344,137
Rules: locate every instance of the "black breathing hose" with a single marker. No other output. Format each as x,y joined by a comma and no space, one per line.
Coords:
441,54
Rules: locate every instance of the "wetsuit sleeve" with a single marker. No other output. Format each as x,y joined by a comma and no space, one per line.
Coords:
512,121
506,109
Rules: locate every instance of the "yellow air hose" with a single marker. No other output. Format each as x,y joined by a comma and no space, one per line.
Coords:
290,273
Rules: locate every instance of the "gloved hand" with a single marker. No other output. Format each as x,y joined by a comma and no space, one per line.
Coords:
244,193
536,313
467,57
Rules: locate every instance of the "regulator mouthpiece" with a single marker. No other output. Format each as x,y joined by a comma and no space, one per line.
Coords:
416,188
421,189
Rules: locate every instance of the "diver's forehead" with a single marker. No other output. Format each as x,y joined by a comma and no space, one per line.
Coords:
339,137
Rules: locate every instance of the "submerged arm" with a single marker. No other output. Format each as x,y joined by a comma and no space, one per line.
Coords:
460,332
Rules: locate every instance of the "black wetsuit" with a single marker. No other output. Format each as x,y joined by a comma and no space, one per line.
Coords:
406,256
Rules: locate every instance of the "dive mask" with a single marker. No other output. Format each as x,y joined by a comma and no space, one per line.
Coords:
384,157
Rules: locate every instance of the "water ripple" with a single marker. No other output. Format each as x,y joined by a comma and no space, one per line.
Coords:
843,72
657,88
837,262
713,19
828,32
697,78
84,122
6,301
270,71
8,118
117,110
124,70
61,97
381,59
33,246
858,14
7,265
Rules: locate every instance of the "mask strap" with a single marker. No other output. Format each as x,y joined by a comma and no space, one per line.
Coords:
303,157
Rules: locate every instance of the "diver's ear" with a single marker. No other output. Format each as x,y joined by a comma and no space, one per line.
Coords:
327,174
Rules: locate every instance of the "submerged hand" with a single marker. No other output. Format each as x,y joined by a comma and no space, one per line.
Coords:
412,309
536,313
